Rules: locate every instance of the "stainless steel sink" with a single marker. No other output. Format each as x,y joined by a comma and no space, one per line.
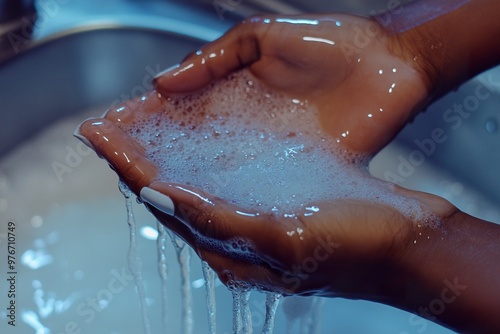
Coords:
97,66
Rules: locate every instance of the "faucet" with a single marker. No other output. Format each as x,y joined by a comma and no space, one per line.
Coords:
17,19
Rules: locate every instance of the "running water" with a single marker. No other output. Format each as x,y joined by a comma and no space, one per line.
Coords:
246,315
237,325
242,318
161,244
134,262
272,303
184,256
209,276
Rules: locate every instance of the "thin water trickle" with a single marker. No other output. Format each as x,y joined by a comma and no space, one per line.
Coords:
161,244
246,315
237,325
272,303
134,262
184,256
209,276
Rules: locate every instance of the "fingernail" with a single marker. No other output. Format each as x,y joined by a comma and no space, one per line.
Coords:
82,138
85,140
158,200
165,71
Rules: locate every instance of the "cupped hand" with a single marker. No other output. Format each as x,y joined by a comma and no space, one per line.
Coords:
348,247
332,251
364,82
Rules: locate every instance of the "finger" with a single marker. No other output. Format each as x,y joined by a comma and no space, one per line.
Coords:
122,152
124,155
134,110
238,48
218,225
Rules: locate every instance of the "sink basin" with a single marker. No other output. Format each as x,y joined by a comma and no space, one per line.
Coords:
71,229
87,68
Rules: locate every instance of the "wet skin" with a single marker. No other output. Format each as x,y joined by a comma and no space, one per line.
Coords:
316,69
366,250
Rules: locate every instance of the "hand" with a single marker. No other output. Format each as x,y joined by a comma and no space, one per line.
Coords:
389,259
363,81
348,248
349,244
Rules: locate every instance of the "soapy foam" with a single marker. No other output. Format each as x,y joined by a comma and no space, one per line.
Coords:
256,148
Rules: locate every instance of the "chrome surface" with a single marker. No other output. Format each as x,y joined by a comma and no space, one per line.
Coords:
78,70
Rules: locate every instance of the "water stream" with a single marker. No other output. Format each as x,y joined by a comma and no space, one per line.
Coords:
209,276
272,303
246,315
161,244
134,262
184,257
237,325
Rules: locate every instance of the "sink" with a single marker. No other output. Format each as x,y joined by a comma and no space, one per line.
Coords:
86,68
70,221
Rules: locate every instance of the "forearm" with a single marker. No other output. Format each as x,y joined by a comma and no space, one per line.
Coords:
449,40
452,274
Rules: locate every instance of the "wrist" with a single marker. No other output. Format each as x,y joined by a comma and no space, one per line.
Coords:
418,263
450,275
450,44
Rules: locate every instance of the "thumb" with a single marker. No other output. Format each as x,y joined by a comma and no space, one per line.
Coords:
238,48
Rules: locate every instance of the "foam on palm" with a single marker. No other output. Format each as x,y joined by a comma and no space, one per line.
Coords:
264,151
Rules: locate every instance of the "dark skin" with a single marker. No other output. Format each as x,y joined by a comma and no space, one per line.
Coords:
374,251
